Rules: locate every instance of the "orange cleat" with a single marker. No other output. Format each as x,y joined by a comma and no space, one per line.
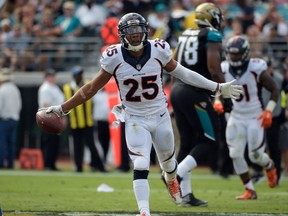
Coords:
144,213
248,195
173,189
271,177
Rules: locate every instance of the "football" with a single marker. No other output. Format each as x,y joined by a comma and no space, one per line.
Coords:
51,122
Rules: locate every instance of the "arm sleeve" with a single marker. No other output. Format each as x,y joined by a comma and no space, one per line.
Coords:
192,78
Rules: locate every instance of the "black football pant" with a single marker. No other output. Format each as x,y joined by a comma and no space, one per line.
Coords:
50,146
197,122
80,138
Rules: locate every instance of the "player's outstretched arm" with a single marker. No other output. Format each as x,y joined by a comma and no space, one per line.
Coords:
85,93
194,79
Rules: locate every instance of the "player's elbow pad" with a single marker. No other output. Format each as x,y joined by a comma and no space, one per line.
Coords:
193,78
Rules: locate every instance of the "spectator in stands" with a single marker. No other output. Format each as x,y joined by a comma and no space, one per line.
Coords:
277,45
10,107
6,29
45,42
68,27
158,21
16,50
92,16
236,29
82,125
100,115
68,24
273,20
255,38
247,16
115,7
50,94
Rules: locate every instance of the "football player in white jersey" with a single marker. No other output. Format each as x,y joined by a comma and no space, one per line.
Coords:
138,65
248,118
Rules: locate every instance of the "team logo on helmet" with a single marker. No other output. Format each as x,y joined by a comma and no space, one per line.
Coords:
208,14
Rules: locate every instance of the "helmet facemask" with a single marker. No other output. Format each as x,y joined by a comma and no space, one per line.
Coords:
132,24
237,51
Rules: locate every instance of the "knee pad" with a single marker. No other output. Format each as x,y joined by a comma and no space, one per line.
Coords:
234,154
141,163
259,158
170,165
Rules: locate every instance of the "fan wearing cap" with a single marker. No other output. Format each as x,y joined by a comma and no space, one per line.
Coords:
50,94
82,124
10,107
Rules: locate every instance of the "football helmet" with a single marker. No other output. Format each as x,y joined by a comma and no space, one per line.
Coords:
132,23
208,14
237,51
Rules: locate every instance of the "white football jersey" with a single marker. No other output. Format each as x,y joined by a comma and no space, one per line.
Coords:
249,104
139,80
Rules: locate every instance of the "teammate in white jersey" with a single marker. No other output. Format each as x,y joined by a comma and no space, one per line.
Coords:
138,65
248,118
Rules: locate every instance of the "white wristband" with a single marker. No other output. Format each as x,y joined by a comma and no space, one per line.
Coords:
271,105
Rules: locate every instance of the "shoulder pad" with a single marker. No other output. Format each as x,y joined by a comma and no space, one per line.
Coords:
214,36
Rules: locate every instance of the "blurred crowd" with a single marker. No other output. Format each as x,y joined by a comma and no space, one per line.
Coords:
36,35
39,34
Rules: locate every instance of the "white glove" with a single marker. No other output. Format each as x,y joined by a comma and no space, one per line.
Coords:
119,114
57,110
227,90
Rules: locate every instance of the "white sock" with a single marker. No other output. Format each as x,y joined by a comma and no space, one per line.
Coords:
142,193
186,184
186,165
249,185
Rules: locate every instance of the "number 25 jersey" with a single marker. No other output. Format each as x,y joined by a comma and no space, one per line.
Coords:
139,80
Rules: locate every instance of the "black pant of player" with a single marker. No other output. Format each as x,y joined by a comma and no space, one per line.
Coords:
50,146
80,138
197,123
103,134
272,136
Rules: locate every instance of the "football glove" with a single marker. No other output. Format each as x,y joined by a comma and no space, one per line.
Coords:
227,90
56,109
266,118
218,106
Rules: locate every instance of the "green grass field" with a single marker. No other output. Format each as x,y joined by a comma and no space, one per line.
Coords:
65,191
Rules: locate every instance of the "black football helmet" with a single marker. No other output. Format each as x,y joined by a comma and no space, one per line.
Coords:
132,23
237,51
208,14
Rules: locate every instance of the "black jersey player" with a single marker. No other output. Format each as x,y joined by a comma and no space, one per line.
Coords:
198,49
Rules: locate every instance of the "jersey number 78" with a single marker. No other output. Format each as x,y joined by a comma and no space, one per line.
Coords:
187,48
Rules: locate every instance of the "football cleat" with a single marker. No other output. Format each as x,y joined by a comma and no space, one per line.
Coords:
271,177
248,195
144,213
173,189
191,200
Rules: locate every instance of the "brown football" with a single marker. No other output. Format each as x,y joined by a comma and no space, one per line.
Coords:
51,122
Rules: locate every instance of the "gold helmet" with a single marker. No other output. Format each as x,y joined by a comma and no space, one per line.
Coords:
208,14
